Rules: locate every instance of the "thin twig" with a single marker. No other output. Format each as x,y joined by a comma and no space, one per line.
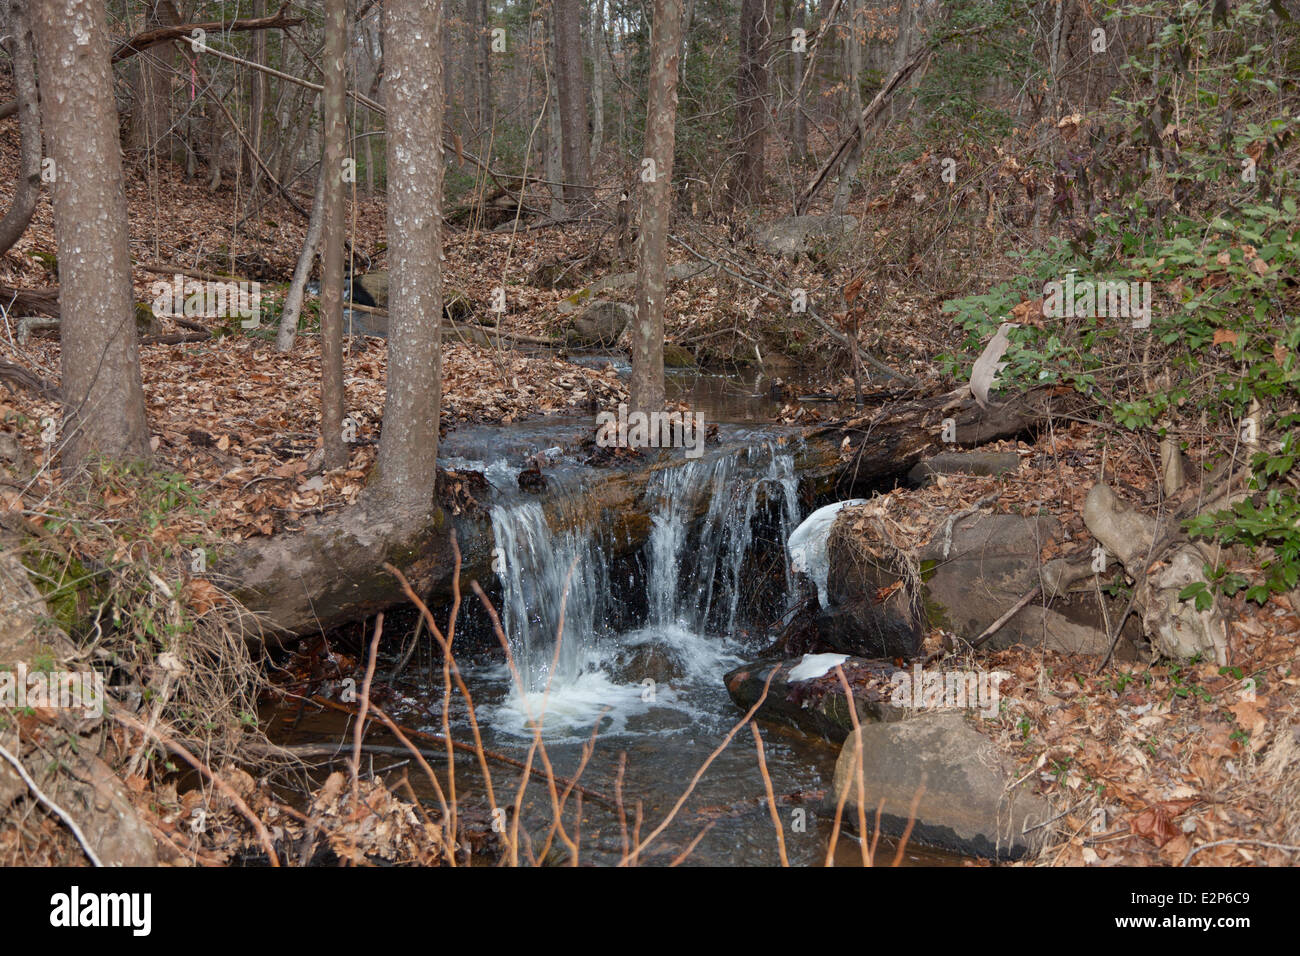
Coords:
53,807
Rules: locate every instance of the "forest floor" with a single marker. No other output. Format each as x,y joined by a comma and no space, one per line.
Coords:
1173,756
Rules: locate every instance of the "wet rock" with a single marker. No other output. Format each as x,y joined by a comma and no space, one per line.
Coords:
600,324
806,693
965,805
964,463
794,235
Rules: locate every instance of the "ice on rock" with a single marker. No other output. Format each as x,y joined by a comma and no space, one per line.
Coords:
807,545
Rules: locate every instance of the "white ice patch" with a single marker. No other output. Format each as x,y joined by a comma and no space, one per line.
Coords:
807,545
816,665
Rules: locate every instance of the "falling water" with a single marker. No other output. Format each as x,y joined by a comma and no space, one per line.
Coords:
703,515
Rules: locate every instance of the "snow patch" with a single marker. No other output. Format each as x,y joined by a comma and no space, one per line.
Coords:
816,665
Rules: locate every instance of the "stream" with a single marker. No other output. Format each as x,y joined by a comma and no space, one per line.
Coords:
644,641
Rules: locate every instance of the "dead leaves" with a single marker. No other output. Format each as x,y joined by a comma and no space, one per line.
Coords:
1157,823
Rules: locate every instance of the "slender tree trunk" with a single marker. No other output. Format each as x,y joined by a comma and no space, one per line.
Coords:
554,136
572,89
597,79
687,27
302,271
647,385
751,101
853,63
408,448
334,223
151,111
14,24
257,105
101,389
482,62
799,123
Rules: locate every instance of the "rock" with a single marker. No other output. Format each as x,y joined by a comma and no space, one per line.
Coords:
600,324
806,692
964,807
370,290
964,463
677,357
794,235
961,582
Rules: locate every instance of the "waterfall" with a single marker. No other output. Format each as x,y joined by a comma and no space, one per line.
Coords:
703,514
543,574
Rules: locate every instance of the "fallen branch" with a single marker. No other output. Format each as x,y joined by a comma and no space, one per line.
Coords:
1011,612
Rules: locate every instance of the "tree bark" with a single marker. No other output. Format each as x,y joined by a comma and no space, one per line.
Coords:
751,101
799,122
14,22
647,384
482,63
853,62
256,106
408,448
104,411
572,89
151,111
333,226
598,80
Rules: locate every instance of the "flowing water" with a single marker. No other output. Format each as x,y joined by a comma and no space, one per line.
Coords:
629,650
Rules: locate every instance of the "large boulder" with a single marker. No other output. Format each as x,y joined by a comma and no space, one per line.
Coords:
967,803
600,324
795,235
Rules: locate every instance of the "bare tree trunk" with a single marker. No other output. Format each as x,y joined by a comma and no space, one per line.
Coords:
853,62
405,469
302,271
101,389
598,80
799,123
687,27
551,145
751,97
16,28
647,385
257,105
151,111
572,88
482,62
333,225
